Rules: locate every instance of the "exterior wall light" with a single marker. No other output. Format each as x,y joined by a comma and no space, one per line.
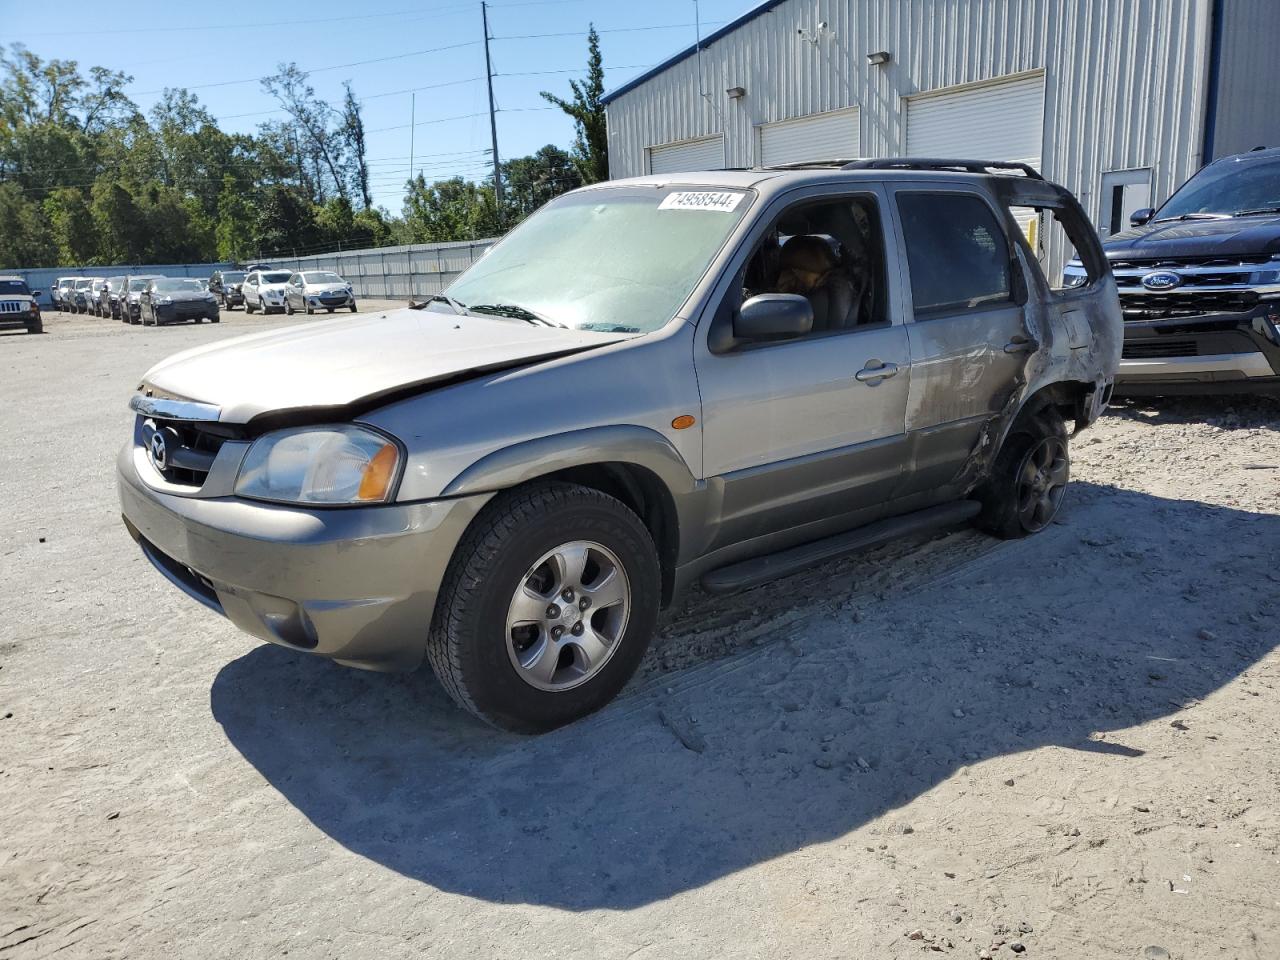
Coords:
736,93
879,57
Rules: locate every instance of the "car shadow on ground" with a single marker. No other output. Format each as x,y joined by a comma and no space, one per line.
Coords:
1065,639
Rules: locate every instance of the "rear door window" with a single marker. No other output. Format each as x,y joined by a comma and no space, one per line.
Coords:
957,253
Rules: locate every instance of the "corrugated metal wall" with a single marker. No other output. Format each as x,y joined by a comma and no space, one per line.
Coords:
395,273
1125,80
1247,109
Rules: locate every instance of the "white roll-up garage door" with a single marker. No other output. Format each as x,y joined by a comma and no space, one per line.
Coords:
1002,120
819,136
706,153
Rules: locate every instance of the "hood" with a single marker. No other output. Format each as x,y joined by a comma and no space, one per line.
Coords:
326,287
183,296
1237,236
337,363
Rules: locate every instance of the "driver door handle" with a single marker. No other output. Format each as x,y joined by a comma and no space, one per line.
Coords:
873,375
1020,344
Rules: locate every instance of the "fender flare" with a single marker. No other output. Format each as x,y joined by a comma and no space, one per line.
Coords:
629,445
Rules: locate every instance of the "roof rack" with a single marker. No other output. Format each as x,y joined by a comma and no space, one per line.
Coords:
834,164
934,163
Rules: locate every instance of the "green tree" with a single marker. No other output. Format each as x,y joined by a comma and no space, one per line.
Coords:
532,181
121,225
453,209
72,226
25,239
234,231
591,144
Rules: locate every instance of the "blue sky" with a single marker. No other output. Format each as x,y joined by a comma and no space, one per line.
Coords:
207,48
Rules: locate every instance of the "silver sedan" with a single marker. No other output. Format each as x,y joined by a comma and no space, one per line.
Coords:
315,290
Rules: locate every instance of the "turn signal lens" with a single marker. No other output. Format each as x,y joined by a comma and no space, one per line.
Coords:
683,422
379,475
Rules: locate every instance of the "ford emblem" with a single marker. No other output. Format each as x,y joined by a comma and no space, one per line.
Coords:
1162,280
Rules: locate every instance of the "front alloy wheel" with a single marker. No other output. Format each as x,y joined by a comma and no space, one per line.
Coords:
547,608
567,615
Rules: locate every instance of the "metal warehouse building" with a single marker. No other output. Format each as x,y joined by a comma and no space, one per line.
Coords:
1119,100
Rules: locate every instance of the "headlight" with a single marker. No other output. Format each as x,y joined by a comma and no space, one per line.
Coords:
1073,275
328,465
164,300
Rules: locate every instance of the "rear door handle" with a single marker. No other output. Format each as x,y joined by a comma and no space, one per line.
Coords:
1020,344
875,371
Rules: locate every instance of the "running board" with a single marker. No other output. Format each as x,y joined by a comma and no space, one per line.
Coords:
758,570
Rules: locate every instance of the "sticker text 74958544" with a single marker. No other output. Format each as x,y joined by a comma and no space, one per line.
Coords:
723,201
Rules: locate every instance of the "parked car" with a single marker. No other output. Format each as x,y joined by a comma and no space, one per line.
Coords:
318,290
130,297
109,298
225,285
264,290
1199,281
176,300
19,305
81,293
63,294
712,378
95,296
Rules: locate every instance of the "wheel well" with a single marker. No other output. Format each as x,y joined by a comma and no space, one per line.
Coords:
1070,398
647,496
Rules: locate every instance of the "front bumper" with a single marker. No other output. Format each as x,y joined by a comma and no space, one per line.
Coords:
1212,354
178,312
357,585
234,298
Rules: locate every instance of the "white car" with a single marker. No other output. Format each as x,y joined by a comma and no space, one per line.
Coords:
264,290
318,290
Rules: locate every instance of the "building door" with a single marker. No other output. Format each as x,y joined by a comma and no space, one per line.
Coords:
1123,191
706,153
995,120
819,136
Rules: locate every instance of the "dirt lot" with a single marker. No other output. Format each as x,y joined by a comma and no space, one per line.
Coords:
1066,747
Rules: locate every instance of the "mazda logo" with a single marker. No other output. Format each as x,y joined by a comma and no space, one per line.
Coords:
159,451
1162,280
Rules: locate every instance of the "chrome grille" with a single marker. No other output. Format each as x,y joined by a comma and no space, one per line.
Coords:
190,448
14,306
1185,303
1158,347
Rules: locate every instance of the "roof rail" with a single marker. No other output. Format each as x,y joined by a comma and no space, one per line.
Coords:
835,163
934,163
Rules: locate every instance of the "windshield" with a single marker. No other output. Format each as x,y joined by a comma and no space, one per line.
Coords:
139,283
1231,188
83,284
232,277
277,276
322,276
177,285
11,287
619,260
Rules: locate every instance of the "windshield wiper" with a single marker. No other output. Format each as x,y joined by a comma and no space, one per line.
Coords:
1249,213
1195,216
514,312
458,308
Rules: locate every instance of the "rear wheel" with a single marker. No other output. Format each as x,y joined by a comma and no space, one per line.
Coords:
547,608
1029,477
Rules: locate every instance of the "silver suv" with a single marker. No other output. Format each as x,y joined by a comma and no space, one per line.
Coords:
710,378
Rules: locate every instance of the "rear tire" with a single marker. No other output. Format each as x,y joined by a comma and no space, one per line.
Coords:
511,555
1029,477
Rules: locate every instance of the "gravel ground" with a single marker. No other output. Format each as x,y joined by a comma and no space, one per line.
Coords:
1058,747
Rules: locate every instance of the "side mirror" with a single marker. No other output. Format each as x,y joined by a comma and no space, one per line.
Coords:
37,293
1139,217
772,316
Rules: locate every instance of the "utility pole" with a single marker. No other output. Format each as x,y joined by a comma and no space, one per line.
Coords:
493,122
413,110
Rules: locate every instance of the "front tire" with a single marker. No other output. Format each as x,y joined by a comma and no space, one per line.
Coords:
1029,477
547,608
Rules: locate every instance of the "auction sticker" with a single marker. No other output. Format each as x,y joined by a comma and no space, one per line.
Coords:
722,200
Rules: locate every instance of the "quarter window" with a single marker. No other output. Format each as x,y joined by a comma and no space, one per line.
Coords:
957,253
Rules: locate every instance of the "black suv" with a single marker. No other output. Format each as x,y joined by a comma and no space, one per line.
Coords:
225,285
1199,282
